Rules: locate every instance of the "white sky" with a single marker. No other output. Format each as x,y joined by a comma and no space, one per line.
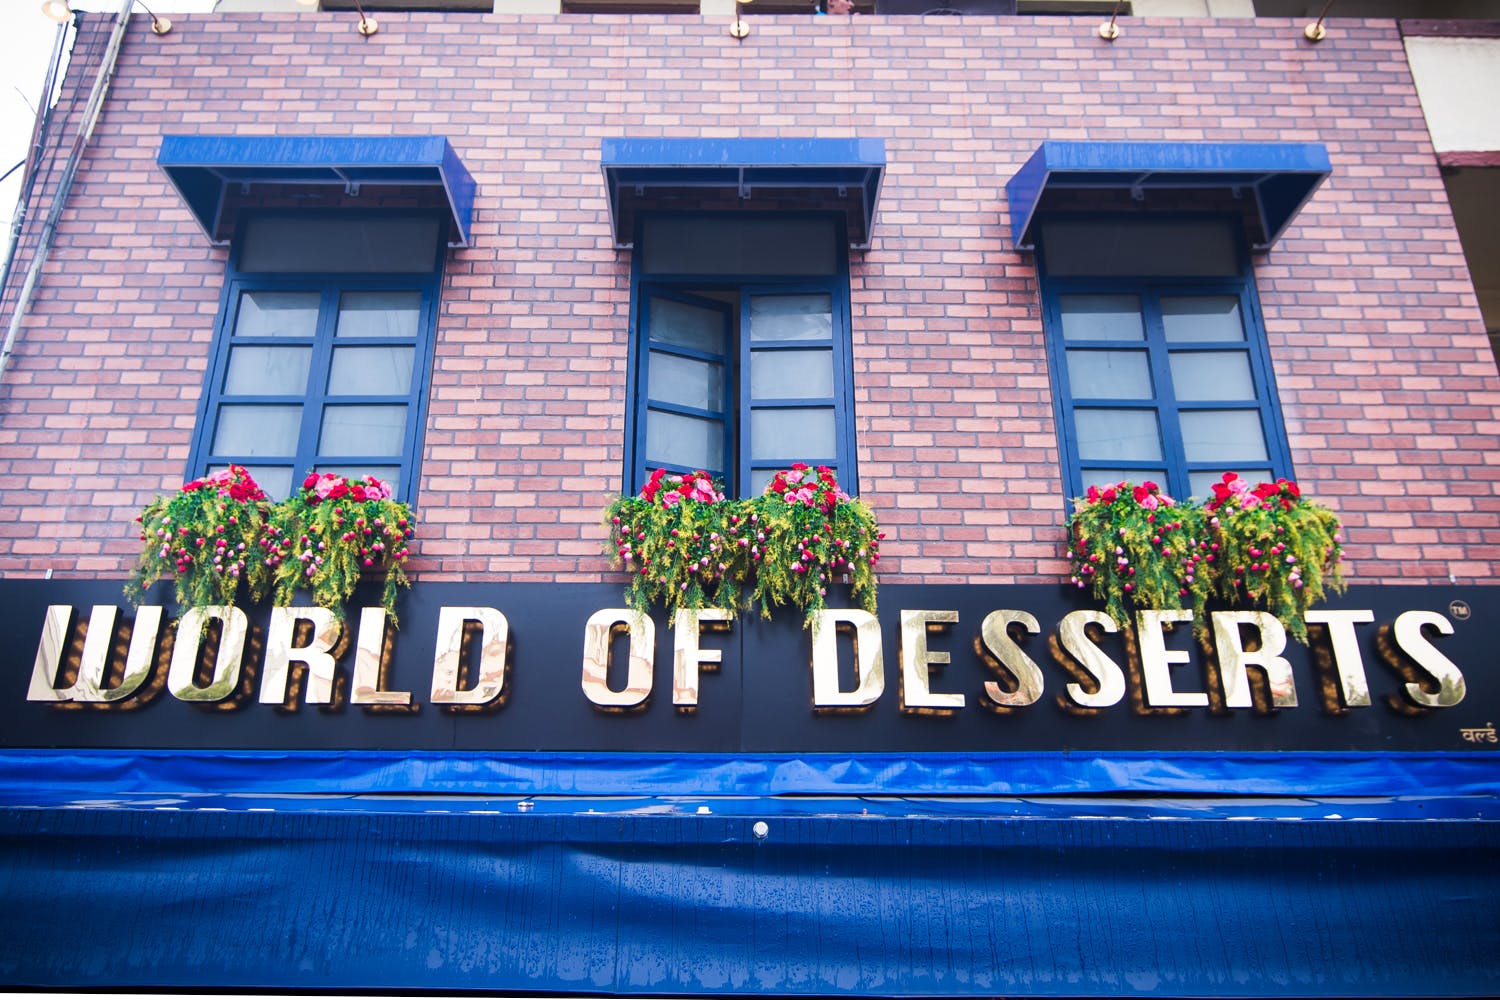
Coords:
26,39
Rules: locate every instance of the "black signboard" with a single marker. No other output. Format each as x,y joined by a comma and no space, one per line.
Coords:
548,667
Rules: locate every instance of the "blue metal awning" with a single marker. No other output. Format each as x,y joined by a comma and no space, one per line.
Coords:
206,168
776,174
1281,177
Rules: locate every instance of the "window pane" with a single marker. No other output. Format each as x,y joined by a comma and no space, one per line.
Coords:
362,430
798,434
379,314
1219,435
277,314
1101,317
791,317
685,325
1201,375
275,480
1145,248
791,374
1203,482
250,431
1109,477
353,243
267,371
1109,374
686,381
1202,317
1131,435
746,245
673,439
371,371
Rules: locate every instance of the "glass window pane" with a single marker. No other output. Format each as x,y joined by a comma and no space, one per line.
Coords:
251,431
362,430
1143,248
275,480
1131,435
791,374
1202,483
1109,374
1202,317
686,325
1102,477
800,434
277,314
747,245
379,314
267,371
1101,317
759,480
371,371
791,317
673,439
1201,375
332,243
672,378
1220,435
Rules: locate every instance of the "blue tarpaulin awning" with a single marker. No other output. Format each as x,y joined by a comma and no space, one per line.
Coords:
1280,177
205,168
843,175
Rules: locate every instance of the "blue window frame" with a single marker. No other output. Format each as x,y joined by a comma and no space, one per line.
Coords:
740,355
1158,354
323,348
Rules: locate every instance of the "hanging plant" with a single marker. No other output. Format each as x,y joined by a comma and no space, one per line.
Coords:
684,545
204,538
1279,550
333,531
811,535
1135,547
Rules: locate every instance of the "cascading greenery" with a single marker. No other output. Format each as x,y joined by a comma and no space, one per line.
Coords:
1134,545
1278,550
685,546
204,538
333,531
815,535
221,531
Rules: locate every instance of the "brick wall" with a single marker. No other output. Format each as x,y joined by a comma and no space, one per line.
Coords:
1388,387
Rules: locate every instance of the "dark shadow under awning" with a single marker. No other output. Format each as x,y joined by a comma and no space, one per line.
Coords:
1280,177
205,169
841,175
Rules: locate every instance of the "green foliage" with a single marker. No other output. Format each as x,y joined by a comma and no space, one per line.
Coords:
218,532
807,549
685,546
332,532
1279,550
1134,546
205,538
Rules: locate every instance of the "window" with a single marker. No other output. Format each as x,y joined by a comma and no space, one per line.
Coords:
323,348
740,359
1158,355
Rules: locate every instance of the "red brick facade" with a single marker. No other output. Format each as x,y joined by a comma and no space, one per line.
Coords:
1388,387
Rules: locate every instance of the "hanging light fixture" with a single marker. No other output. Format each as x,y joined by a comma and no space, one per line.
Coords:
739,29
1110,31
59,11
367,25
1315,32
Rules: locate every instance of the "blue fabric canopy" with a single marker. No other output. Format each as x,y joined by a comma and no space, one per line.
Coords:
204,168
808,174
1280,177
